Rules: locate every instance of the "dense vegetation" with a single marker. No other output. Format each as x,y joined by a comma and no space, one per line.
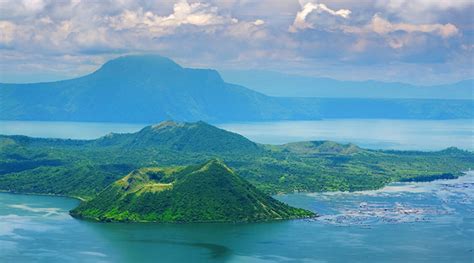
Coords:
83,168
148,89
210,192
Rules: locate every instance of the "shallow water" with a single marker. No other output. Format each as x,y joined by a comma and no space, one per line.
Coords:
410,222
369,133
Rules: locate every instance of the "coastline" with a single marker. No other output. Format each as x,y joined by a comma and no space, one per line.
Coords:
459,174
43,194
316,215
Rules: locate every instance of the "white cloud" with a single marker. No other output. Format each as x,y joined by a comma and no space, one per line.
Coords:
382,26
73,26
426,11
424,4
196,14
259,22
387,30
21,8
7,30
301,22
252,32
41,34
378,25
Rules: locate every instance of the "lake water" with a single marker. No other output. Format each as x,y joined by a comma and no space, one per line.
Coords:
368,133
404,222
409,222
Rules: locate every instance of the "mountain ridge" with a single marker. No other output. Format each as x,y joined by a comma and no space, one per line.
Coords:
278,84
182,136
85,167
150,89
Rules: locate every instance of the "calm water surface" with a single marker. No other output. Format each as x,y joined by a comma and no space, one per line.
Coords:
409,222
404,222
368,133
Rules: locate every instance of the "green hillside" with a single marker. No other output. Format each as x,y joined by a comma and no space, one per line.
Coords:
197,137
210,192
83,168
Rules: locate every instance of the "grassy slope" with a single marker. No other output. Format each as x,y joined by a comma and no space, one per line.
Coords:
84,168
206,193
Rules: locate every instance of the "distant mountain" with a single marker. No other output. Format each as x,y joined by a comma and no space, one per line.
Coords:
288,85
210,192
150,89
322,147
137,89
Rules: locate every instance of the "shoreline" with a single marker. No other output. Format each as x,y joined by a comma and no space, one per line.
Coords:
463,173
43,194
315,216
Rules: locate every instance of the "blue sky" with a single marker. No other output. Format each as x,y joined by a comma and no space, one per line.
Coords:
415,41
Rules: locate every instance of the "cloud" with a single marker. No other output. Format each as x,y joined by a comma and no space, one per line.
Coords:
21,8
399,35
248,31
398,5
7,30
195,14
382,26
421,11
301,23
396,34
72,37
259,22
77,27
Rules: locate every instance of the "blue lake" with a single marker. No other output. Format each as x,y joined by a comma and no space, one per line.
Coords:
403,222
416,222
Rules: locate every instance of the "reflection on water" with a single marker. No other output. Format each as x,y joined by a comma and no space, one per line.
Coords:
411,222
215,251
